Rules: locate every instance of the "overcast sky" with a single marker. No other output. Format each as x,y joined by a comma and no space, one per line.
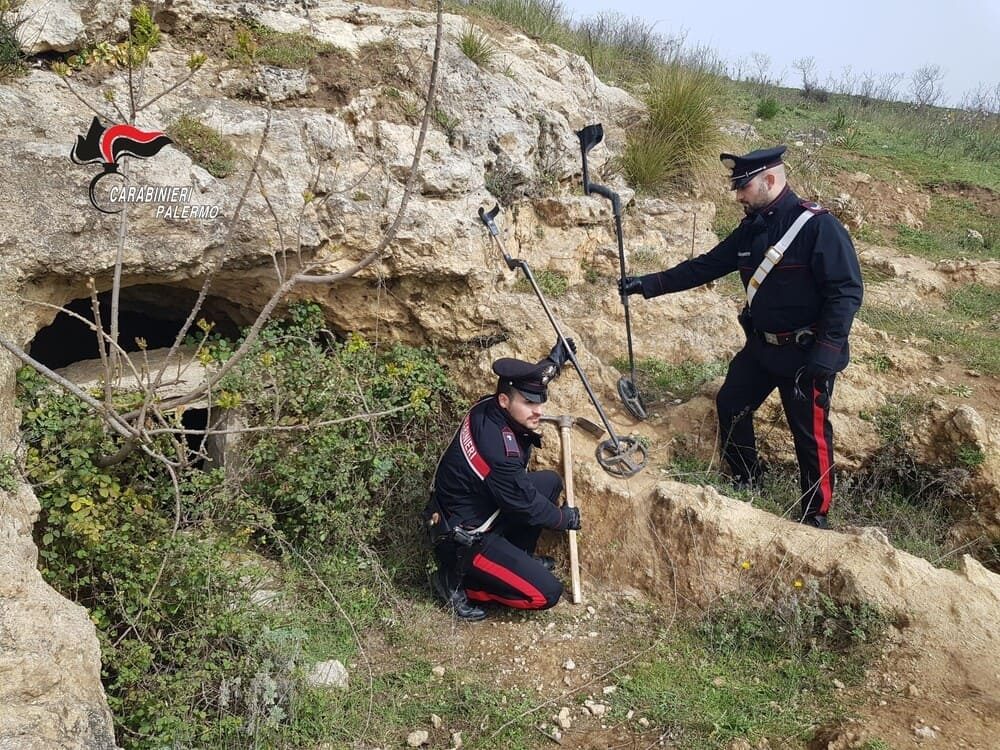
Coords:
881,36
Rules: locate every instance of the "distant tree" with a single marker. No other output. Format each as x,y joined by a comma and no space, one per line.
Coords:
887,89
846,84
807,71
925,86
760,69
983,100
737,70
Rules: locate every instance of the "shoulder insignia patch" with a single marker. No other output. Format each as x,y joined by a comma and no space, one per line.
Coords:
510,444
813,207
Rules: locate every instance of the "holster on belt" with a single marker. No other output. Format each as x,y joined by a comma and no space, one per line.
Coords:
746,322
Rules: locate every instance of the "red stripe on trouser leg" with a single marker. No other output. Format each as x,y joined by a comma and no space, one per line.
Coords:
533,598
823,453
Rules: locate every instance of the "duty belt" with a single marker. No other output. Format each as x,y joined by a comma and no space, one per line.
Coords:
800,336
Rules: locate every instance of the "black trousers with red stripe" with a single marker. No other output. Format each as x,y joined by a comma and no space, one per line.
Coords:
501,567
807,410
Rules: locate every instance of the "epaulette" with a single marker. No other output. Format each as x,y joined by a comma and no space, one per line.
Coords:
510,447
813,207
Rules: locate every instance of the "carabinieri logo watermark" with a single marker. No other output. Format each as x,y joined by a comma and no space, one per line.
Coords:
107,146
171,201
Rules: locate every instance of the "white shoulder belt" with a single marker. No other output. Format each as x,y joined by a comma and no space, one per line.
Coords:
774,255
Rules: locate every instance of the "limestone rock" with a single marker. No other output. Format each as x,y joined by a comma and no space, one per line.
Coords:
330,674
65,25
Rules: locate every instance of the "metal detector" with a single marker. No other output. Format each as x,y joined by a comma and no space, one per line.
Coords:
619,456
589,137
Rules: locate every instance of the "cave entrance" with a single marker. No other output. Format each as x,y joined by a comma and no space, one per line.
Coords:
154,313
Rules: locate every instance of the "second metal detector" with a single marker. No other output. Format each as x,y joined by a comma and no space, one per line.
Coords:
589,137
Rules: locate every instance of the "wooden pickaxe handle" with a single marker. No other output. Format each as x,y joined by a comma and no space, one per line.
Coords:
565,429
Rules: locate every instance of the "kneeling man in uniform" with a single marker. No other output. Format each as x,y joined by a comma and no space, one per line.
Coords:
487,510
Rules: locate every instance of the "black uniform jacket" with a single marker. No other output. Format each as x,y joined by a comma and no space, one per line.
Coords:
483,469
817,284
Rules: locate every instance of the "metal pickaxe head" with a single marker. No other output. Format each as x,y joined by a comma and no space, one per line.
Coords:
568,420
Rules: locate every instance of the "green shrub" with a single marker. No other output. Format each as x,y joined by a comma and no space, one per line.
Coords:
256,43
9,476
144,37
644,260
477,46
449,124
12,57
552,283
189,659
334,484
620,50
680,133
914,503
971,456
658,380
172,611
545,20
768,108
205,145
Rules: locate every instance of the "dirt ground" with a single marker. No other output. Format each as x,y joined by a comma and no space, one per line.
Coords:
922,692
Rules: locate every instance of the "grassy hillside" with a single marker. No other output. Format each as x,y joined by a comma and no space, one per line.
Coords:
214,592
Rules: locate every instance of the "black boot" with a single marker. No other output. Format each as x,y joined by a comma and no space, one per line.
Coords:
549,563
455,599
817,521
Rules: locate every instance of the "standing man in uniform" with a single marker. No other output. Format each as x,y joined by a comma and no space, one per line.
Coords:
800,306
487,510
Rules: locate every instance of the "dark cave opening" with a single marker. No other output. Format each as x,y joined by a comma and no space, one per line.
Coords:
153,313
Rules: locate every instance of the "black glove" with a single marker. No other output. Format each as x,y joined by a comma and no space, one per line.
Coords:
816,370
570,518
559,354
813,375
629,285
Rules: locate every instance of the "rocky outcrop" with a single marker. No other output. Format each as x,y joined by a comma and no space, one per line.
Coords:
688,546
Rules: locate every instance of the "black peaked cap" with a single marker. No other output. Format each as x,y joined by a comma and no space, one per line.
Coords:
744,168
530,378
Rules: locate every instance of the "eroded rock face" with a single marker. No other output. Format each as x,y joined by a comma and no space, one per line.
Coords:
503,133
49,657
688,546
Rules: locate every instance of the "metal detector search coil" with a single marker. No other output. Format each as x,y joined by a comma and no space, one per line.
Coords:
620,457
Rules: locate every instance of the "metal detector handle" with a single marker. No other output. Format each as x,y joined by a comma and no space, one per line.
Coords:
589,137
616,204
611,195
487,217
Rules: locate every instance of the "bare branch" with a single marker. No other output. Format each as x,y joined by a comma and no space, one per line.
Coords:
167,90
113,419
367,417
87,104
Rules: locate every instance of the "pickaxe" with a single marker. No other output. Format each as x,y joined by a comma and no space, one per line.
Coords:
565,423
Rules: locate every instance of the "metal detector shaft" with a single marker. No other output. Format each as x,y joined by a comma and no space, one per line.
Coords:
487,218
589,137
616,205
